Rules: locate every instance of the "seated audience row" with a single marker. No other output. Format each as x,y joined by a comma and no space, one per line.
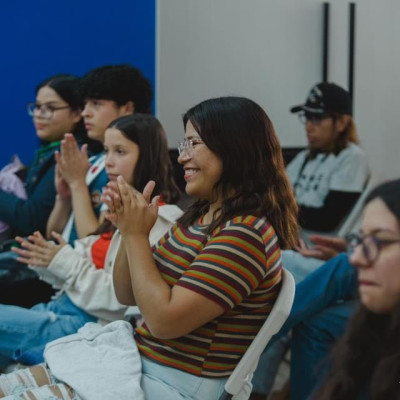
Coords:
215,267
204,289
136,148
72,205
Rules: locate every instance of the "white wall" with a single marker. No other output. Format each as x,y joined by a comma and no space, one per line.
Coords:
271,51
377,94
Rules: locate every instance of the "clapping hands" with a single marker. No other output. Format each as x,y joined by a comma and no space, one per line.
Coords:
37,250
132,212
72,163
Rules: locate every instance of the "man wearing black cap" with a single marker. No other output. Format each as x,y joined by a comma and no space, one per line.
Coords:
331,173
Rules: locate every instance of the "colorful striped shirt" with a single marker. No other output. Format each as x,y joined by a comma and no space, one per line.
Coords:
239,267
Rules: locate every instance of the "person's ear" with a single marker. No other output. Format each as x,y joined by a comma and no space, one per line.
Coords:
127,108
342,121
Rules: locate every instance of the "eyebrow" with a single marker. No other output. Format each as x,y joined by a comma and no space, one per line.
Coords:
47,102
117,145
191,137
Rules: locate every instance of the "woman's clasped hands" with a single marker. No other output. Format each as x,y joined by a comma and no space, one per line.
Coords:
132,212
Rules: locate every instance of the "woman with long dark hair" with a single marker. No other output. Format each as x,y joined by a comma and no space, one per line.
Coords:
366,361
205,289
57,110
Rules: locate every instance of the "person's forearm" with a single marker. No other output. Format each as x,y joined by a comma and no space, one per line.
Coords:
86,221
59,216
151,291
122,278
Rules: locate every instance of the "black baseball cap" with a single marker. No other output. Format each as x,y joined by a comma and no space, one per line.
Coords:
326,98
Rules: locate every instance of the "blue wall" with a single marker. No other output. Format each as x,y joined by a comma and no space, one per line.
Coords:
40,38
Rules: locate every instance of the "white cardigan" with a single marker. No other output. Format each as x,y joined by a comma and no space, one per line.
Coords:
91,289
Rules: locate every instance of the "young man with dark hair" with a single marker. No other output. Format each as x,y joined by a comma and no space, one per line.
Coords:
110,92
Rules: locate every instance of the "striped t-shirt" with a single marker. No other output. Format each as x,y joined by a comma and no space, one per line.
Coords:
238,267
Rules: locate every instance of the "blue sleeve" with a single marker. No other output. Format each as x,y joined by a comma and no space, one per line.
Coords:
336,280
27,216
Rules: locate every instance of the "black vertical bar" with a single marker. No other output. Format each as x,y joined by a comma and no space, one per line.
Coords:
325,43
352,33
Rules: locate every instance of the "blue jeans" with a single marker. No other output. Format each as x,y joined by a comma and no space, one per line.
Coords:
312,341
25,332
331,283
161,382
298,265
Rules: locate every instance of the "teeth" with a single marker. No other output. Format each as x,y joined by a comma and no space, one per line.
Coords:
190,171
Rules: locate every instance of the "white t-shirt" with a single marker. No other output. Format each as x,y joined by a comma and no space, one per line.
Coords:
346,172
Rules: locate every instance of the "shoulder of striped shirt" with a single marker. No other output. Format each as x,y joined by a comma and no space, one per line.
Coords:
246,220
170,212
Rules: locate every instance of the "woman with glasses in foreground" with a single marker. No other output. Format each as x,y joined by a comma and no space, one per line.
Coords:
331,173
207,287
366,361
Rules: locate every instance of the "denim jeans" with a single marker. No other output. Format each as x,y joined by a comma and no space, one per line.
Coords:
161,382
330,284
25,332
312,341
298,265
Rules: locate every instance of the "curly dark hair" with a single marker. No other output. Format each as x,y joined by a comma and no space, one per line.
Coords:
240,133
120,83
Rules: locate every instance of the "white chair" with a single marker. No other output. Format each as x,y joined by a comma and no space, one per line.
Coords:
244,370
354,217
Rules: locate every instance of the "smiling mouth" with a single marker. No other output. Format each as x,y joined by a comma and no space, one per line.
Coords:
190,172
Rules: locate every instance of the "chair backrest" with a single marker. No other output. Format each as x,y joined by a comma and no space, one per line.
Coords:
279,313
354,217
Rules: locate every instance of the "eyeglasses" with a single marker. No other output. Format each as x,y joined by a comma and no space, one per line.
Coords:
315,119
45,110
371,245
188,146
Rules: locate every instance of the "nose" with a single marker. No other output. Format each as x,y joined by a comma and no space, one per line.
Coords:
358,259
85,112
38,113
184,156
109,160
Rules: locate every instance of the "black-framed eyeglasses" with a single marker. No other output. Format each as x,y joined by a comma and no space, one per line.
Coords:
315,119
44,110
187,146
370,244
